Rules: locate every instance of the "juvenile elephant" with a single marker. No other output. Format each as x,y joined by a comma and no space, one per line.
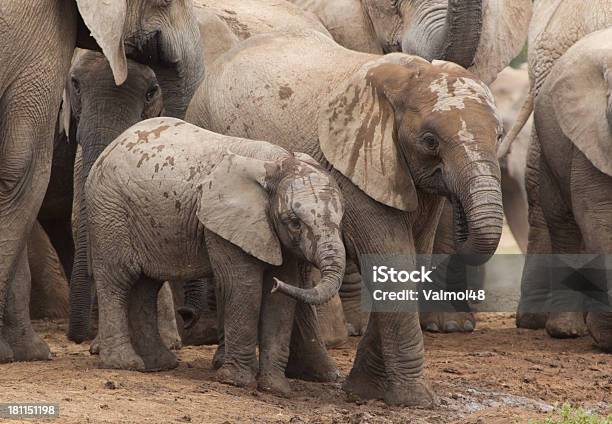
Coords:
573,119
223,207
37,41
399,133
555,27
481,35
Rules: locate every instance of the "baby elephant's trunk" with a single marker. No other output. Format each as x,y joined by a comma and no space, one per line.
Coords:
331,260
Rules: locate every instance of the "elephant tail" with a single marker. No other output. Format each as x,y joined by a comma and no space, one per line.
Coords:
520,122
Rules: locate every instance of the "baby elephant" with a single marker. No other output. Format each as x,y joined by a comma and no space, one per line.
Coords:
171,201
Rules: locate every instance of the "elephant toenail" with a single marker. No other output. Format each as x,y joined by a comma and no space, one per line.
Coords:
432,327
451,327
468,326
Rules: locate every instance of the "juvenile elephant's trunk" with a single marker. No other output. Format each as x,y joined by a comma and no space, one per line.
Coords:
452,34
93,141
331,262
478,218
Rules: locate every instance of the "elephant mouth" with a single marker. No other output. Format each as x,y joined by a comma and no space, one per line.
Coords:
460,222
148,49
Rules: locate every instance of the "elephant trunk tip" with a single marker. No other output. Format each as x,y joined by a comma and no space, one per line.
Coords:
310,296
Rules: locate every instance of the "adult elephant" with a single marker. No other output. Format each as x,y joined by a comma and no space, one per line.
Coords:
555,27
481,35
573,118
398,133
160,32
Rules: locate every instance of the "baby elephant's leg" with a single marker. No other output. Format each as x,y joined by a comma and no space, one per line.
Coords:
276,323
144,328
114,285
166,318
239,279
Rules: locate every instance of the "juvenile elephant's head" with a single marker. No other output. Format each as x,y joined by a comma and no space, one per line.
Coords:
271,207
163,34
401,125
99,111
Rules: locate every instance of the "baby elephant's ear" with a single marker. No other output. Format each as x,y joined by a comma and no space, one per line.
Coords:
357,131
582,98
234,205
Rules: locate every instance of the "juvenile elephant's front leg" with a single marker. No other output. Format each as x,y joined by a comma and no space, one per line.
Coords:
239,280
390,356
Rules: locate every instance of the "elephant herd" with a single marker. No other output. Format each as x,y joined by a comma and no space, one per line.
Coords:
208,155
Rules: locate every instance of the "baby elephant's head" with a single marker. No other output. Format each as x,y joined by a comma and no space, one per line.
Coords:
306,208
274,207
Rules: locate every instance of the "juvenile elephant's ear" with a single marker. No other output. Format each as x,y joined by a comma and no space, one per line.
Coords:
234,205
106,19
357,130
582,99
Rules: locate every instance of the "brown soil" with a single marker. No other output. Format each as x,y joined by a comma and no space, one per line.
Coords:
498,374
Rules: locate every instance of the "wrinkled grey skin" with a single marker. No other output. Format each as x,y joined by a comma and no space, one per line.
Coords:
30,91
555,27
573,120
192,204
311,95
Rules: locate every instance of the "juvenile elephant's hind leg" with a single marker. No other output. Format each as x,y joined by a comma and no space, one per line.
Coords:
114,285
566,317
144,327
25,343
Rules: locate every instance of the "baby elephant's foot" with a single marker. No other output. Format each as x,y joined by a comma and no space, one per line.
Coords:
413,393
530,320
448,322
6,353
121,356
565,325
31,348
236,375
275,383
362,385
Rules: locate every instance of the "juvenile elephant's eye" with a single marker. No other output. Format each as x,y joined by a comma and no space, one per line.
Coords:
151,92
295,225
430,142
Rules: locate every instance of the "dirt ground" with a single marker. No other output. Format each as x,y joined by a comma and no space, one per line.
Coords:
498,374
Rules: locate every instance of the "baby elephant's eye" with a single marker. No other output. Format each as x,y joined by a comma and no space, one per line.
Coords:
430,142
151,92
295,225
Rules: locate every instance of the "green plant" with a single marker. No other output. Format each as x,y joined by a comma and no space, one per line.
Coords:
570,415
